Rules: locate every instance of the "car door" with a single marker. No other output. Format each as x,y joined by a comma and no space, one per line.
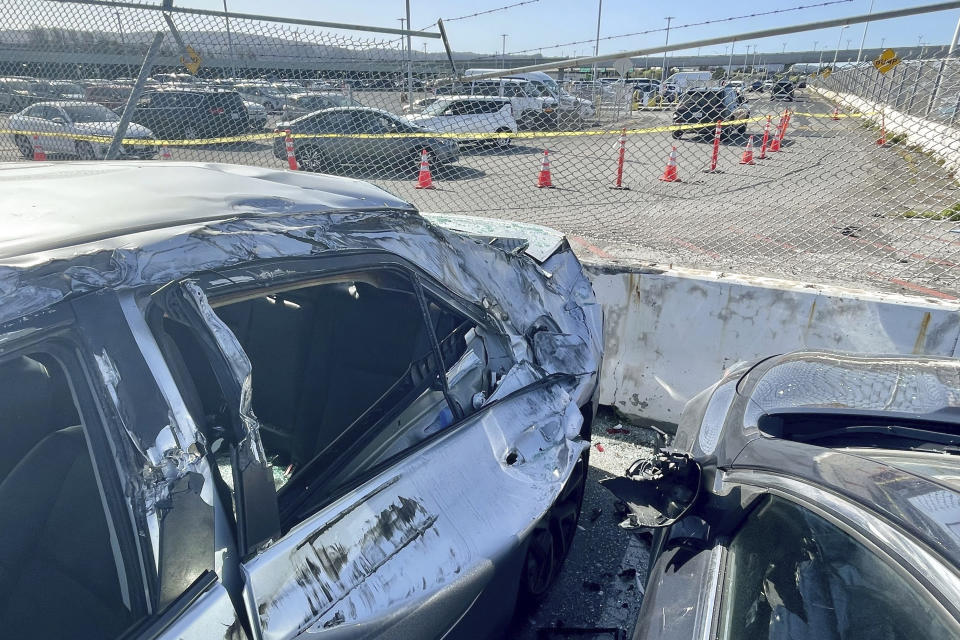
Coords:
454,118
404,531
377,141
56,122
836,572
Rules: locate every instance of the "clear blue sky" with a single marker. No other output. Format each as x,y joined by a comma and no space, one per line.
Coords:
548,22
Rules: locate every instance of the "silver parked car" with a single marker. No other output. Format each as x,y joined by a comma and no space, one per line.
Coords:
362,137
248,403
67,128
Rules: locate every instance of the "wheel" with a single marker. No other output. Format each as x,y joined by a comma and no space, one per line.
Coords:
502,143
24,146
85,151
742,130
552,538
310,158
268,106
677,134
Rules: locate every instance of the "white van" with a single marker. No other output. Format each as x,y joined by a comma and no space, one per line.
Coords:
684,80
571,109
531,110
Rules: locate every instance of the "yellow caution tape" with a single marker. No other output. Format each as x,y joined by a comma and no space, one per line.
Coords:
252,137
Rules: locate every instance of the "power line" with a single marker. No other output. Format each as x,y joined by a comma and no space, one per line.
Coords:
683,26
482,13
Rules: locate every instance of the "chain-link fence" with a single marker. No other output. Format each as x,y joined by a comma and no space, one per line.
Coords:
795,184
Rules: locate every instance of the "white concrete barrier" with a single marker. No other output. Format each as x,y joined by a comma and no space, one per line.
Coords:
672,332
937,138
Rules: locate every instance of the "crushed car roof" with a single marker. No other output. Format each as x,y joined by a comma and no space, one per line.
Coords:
52,206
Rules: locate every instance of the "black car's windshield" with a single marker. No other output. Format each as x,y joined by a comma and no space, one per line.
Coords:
700,99
90,113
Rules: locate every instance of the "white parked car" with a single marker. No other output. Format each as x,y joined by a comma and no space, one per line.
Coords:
64,124
469,114
272,99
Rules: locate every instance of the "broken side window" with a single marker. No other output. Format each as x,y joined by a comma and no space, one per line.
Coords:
345,375
60,567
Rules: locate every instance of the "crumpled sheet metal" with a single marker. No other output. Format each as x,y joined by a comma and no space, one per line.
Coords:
514,288
409,540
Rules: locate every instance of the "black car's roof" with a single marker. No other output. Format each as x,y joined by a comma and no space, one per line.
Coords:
923,390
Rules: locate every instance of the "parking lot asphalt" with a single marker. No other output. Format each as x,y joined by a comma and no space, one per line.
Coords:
602,581
827,208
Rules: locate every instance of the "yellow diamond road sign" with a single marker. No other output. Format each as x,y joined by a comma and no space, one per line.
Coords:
825,73
886,61
193,64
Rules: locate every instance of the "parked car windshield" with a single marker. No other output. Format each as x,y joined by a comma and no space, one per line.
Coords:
90,113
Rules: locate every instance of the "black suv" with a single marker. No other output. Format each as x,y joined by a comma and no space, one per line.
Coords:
707,106
192,113
782,89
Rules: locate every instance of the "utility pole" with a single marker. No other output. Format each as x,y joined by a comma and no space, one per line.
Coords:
403,22
409,58
663,67
596,43
953,43
729,60
837,50
226,18
503,55
784,50
863,38
123,42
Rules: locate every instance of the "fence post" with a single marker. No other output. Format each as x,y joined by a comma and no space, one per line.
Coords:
956,107
936,88
134,98
916,84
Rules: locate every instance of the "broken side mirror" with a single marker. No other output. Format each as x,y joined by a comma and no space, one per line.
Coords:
658,491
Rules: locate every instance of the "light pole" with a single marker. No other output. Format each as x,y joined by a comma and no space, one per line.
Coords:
730,59
837,50
663,66
409,57
123,42
784,50
402,22
864,36
596,43
226,19
503,54
745,56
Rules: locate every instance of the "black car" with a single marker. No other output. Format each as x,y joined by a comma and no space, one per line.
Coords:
756,85
810,495
707,106
782,89
188,114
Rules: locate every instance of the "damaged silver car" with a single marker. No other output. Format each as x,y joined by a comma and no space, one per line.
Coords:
248,403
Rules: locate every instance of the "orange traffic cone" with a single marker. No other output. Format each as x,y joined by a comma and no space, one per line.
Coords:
836,114
291,154
38,153
670,173
544,179
165,152
747,157
882,140
424,179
